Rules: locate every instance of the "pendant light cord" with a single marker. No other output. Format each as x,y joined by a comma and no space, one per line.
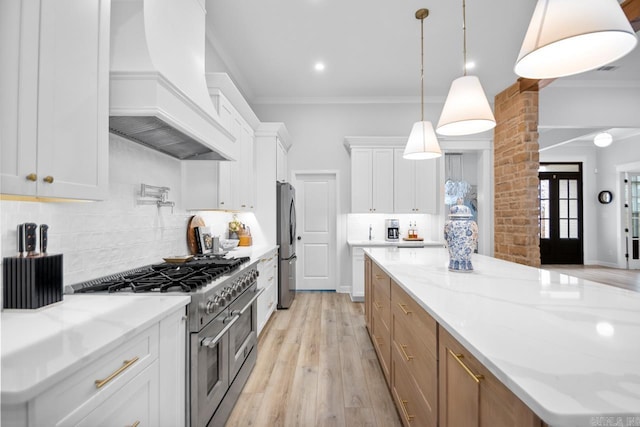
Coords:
422,69
464,37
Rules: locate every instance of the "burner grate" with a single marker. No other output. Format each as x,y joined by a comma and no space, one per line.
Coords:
165,277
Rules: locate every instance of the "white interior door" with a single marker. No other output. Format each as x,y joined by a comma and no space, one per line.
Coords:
316,219
632,229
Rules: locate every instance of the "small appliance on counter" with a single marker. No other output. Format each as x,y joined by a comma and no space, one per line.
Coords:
31,279
392,230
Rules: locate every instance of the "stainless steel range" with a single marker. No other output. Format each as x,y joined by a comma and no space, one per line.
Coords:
222,322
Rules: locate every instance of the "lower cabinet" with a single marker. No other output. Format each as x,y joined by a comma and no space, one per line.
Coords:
267,280
142,381
433,379
471,396
357,280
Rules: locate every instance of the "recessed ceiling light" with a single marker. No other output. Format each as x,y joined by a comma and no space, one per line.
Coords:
603,139
470,65
319,66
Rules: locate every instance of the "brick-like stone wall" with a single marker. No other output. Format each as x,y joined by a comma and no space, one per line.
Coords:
516,162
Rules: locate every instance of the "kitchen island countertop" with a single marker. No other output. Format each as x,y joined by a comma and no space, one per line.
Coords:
567,347
41,347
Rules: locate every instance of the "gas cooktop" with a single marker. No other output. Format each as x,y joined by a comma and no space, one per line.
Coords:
187,277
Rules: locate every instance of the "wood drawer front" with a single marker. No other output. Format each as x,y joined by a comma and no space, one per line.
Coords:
414,410
414,318
79,394
496,405
380,306
381,339
419,361
381,280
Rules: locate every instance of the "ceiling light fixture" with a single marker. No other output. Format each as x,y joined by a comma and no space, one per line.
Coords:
422,142
603,139
466,110
572,36
319,66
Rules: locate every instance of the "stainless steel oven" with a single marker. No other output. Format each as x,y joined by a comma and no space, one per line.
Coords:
223,354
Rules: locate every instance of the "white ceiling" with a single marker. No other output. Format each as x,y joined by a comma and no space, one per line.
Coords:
371,48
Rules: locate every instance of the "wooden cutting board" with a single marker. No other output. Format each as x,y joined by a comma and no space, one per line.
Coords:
194,221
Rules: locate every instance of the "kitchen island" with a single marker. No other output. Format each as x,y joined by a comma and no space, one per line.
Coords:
565,347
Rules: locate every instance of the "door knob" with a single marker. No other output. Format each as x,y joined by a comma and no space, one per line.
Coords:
299,237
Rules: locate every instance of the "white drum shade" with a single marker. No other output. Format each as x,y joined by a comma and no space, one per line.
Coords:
422,143
603,139
567,37
466,110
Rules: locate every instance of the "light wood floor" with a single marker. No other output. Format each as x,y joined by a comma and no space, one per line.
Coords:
316,367
626,279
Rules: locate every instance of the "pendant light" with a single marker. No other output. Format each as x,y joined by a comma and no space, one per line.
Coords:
572,36
466,110
422,142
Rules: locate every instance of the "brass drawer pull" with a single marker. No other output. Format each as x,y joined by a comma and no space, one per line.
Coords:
404,310
404,352
32,177
48,179
136,424
403,404
378,306
126,364
458,357
379,277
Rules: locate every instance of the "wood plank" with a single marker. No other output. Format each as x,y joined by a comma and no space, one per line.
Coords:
316,366
631,9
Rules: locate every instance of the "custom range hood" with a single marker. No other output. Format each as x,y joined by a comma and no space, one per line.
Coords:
158,93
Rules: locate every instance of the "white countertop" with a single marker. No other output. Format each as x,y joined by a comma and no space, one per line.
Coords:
568,348
41,347
254,252
375,243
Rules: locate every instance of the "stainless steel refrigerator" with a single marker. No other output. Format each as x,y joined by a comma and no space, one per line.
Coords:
286,236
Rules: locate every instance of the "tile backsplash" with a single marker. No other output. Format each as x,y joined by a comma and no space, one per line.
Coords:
107,237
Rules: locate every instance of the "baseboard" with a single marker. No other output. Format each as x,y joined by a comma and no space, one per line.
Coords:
357,298
344,289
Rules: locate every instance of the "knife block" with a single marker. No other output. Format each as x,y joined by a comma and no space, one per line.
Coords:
32,282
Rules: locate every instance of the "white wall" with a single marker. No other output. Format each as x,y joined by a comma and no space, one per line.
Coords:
101,238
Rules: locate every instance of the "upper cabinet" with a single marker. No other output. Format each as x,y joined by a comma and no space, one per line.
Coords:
226,185
371,180
415,184
55,98
382,181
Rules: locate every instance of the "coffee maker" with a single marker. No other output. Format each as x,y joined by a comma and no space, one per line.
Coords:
392,230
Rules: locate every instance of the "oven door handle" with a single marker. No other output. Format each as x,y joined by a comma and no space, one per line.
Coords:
246,307
211,342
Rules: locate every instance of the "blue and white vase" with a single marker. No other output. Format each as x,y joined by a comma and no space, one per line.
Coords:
461,235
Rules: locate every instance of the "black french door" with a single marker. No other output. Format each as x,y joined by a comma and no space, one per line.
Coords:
561,229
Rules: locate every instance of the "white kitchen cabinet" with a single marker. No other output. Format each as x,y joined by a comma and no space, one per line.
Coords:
415,184
357,273
281,162
143,379
267,280
371,180
246,179
55,97
272,141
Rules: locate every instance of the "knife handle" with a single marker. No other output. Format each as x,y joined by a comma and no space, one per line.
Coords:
44,238
30,237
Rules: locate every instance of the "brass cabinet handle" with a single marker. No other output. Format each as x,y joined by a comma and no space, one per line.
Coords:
48,179
379,276
403,404
404,310
32,177
458,357
404,352
244,206
125,365
136,424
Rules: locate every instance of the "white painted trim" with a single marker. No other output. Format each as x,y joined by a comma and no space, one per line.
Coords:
221,84
275,130
628,167
339,100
